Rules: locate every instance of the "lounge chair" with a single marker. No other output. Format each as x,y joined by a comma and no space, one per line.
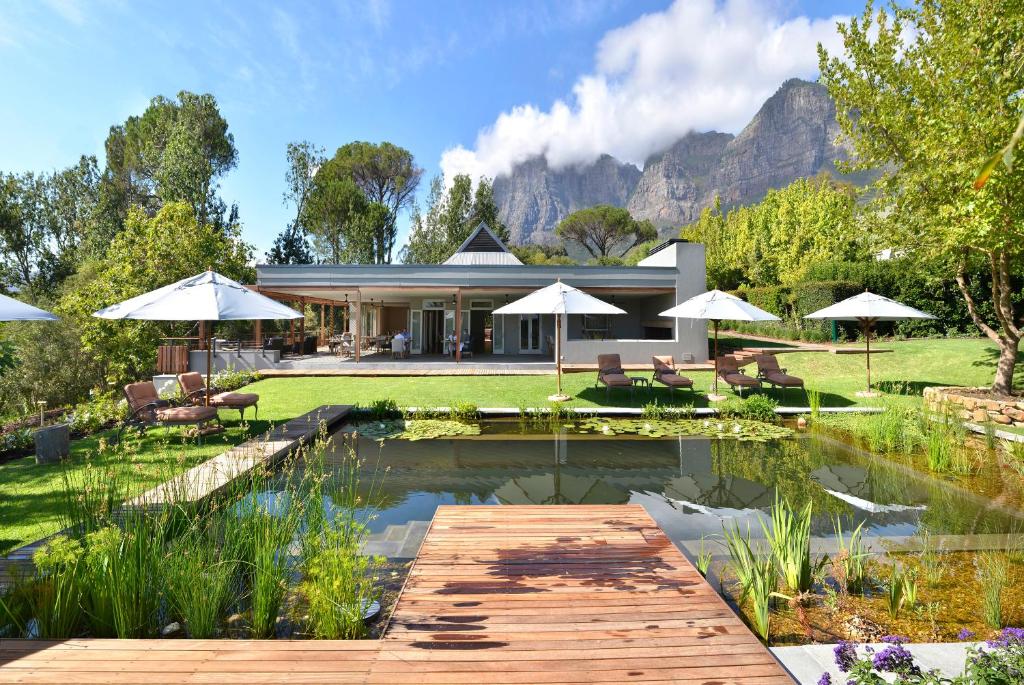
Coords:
665,373
611,375
195,391
730,373
397,348
147,409
768,370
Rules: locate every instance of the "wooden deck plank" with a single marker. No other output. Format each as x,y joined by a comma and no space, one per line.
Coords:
505,595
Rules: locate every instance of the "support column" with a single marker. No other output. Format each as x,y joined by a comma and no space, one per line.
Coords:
291,332
202,335
458,325
333,312
358,314
323,325
257,333
302,323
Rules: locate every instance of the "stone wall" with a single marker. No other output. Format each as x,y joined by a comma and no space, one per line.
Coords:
976,409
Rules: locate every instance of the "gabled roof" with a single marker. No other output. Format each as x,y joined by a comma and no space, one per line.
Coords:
483,247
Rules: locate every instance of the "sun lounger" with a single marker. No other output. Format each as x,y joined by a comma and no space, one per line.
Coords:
147,409
665,373
611,375
195,391
768,370
730,373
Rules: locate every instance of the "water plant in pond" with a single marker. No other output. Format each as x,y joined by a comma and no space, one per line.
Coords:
789,538
1012,455
993,570
755,407
991,442
703,558
738,429
744,559
814,402
464,411
762,590
849,566
201,605
931,560
413,429
910,587
895,592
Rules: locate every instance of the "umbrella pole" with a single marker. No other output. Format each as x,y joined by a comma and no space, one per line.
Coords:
867,338
714,322
558,350
209,361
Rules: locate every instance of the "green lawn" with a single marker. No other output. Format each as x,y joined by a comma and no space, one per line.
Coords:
30,497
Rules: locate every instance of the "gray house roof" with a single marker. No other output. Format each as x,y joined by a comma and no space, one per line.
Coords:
482,247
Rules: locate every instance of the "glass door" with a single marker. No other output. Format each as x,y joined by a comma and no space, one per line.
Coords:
498,334
529,334
415,331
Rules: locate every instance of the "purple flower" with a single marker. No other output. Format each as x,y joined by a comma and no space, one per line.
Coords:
895,640
1008,637
965,634
825,679
845,655
895,659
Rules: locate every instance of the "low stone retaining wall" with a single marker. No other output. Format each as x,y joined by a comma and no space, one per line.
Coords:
976,409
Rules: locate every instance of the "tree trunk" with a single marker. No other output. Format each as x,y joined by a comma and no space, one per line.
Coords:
1003,382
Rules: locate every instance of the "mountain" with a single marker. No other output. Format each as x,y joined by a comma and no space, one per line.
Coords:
791,136
534,198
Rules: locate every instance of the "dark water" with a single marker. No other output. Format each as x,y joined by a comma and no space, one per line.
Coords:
691,486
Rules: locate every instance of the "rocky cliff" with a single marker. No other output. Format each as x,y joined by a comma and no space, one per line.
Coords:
791,136
534,198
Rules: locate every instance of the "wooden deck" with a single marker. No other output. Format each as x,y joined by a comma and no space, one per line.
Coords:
503,594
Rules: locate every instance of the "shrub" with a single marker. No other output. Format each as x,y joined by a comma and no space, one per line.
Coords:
755,407
99,411
230,379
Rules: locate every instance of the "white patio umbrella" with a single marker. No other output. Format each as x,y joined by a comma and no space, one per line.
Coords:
15,310
716,306
558,298
866,309
208,297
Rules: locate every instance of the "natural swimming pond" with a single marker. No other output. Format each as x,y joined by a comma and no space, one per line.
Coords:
691,485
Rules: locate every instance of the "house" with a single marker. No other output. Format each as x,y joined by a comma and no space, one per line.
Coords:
457,298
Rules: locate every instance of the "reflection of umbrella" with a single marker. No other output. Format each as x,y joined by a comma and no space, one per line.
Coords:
715,491
558,299
850,484
866,309
15,310
206,297
716,306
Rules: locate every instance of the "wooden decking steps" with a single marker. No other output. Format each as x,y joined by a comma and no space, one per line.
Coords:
498,594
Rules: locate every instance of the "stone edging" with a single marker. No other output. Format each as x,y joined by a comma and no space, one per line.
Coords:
976,409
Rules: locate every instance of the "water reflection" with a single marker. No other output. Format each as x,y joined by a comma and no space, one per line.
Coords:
689,485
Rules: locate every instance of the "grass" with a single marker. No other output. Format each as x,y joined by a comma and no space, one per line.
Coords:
30,500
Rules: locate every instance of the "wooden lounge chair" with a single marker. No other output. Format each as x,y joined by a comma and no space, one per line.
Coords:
768,370
665,373
611,375
730,373
147,409
195,391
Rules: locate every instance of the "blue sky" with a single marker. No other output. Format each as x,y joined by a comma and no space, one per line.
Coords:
479,83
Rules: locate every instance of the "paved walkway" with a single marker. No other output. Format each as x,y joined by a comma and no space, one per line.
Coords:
502,594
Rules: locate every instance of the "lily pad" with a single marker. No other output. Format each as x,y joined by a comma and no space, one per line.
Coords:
413,429
736,429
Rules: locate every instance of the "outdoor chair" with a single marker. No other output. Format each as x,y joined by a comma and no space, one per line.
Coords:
467,347
730,373
611,375
665,373
768,370
147,409
194,388
397,348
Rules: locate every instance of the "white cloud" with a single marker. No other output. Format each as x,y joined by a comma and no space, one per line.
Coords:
698,65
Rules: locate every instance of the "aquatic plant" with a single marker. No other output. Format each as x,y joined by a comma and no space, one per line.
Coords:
910,587
814,402
744,559
789,538
384,409
199,582
762,589
52,596
992,572
895,592
703,558
737,429
413,429
849,566
1012,455
931,559
897,429
653,410
755,407
991,442
464,411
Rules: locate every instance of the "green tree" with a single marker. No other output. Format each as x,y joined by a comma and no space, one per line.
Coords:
291,245
542,254
333,216
775,241
603,230
928,92
175,151
452,215
149,253
387,174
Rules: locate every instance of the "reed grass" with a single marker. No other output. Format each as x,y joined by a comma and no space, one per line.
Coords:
993,571
744,559
762,590
789,538
849,566
895,592
703,558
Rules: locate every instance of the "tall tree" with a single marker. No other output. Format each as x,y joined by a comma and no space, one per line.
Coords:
605,231
291,245
452,214
387,174
333,216
929,92
175,151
